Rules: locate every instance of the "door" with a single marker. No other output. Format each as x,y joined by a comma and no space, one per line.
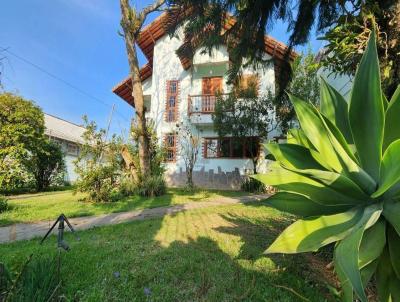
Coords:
210,87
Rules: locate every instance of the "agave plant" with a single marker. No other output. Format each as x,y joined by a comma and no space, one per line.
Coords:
340,172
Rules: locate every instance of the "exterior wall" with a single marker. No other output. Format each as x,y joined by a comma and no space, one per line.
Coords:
69,137
212,173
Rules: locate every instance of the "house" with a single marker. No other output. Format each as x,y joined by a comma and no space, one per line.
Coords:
177,89
69,136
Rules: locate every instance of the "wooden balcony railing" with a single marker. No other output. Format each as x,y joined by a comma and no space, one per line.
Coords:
202,103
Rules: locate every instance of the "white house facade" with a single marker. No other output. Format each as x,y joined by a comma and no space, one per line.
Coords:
180,90
69,136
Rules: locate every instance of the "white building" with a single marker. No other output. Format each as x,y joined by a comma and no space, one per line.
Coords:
69,136
179,89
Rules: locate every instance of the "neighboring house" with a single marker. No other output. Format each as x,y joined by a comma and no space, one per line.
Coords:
177,89
69,136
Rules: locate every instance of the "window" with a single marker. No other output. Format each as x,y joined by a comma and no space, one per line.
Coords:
247,82
212,148
172,104
170,146
72,149
231,147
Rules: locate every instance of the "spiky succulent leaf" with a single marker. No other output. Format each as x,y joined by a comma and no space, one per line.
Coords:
346,192
306,235
366,112
301,205
347,251
392,120
390,168
336,109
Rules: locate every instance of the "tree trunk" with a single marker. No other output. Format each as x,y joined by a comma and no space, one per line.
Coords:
131,25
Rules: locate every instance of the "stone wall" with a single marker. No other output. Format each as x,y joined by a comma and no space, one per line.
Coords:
208,179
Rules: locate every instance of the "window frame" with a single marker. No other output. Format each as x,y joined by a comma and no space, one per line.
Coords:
172,91
169,148
231,139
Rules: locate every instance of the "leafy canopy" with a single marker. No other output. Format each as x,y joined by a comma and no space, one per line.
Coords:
340,173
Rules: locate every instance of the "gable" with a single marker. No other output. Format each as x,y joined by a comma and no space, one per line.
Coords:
157,29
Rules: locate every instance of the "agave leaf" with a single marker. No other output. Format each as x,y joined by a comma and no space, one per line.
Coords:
299,138
313,127
293,156
366,111
387,283
366,274
372,244
334,140
347,251
391,211
392,120
385,102
289,181
394,249
301,206
390,168
336,109
347,289
307,235
337,182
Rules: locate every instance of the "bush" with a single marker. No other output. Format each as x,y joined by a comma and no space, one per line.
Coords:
253,186
3,204
152,186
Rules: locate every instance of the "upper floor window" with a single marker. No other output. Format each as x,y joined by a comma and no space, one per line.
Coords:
247,82
172,101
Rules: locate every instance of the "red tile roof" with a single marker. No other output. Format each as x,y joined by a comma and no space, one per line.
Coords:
158,28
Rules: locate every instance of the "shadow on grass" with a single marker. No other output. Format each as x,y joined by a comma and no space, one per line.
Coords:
126,263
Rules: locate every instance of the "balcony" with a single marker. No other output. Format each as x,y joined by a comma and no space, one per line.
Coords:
200,108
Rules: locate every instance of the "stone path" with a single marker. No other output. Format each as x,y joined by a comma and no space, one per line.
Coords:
24,231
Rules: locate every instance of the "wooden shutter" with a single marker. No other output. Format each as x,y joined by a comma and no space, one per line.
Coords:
212,85
172,101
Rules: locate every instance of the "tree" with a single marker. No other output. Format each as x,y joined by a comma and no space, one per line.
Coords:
206,21
98,164
304,83
21,132
190,145
46,164
131,23
243,115
348,39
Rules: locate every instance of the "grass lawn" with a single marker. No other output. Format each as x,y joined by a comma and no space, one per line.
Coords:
210,254
47,206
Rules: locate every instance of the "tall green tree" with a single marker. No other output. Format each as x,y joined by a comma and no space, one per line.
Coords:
206,20
246,116
46,164
348,39
21,132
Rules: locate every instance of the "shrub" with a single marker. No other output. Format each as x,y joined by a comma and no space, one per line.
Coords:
3,204
152,186
341,172
253,186
98,164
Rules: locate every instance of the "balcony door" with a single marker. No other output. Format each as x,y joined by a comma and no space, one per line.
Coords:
210,87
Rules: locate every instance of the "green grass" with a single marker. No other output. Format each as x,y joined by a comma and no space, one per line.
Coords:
47,206
210,254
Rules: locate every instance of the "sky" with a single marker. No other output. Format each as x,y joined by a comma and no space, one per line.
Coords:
78,57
